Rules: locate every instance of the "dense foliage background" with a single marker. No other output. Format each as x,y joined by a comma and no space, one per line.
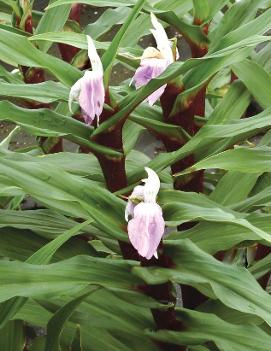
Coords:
69,278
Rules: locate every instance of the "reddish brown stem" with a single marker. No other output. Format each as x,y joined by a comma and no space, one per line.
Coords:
115,176
114,168
199,50
165,294
67,51
191,297
185,119
29,25
31,75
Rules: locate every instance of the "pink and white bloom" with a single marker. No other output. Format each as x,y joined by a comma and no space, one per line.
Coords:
147,226
154,61
89,90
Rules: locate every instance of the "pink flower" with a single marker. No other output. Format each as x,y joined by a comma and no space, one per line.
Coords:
154,61
150,68
147,226
89,90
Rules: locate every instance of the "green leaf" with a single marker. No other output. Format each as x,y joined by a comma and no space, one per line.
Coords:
5,143
215,6
52,20
108,19
262,267
56,323
233,187
138,29
229,315
107,314
190,32
45,222
260,88
201,10
208,135
17,50
97,3
130,135
241,159
43,92
65,277
41,256
212,63
20,244
38,344
159,127
173,5
68,193
45,253
180,207
43,119
111,52
232,106
237,15
77,40
257,200
45,122
85,165
201,328
257,26
200,75
213,278
263,58
204,235
10,77
12,336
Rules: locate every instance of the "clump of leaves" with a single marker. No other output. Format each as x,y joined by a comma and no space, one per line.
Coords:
71,278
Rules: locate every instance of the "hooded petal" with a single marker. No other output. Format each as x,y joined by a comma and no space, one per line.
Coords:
96,63
152,186
136,196
150,68
146,229
162,41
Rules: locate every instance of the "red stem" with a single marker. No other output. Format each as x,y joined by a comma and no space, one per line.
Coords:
164,293
116,179
199,50
191,297
67,51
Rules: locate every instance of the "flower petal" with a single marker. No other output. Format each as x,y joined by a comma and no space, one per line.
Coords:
92,95
152,186
137,195
156,95
74,93
96,63
146,229
162,41
150,68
